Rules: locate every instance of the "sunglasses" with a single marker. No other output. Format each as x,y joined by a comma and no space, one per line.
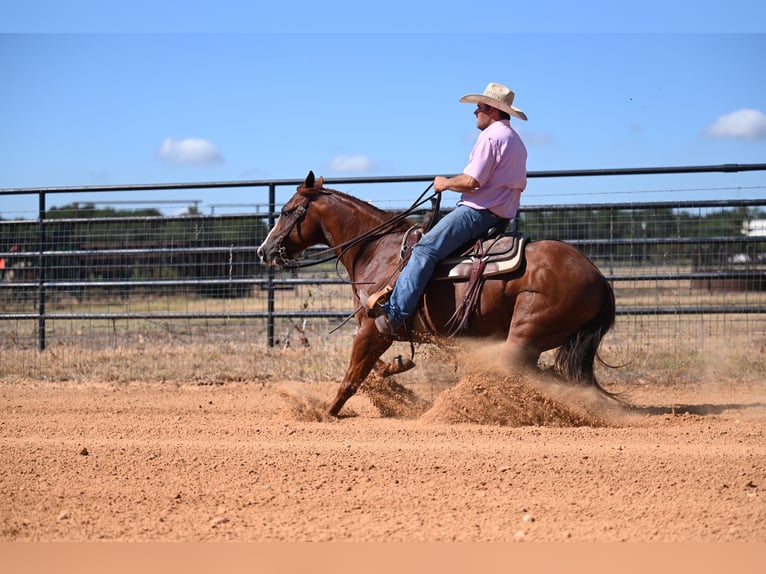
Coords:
483,108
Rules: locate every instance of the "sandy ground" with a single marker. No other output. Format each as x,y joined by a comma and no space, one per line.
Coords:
486,459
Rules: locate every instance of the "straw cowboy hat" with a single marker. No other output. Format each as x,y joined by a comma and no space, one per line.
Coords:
497,96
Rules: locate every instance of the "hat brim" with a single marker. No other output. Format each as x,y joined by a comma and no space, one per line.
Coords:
482,99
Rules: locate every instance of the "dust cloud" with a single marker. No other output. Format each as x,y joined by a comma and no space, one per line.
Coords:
488,393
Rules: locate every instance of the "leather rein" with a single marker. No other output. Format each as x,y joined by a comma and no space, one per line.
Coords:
298,213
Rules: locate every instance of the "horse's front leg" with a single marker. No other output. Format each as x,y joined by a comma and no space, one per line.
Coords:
366,350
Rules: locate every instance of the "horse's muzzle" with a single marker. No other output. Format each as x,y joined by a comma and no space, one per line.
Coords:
266,255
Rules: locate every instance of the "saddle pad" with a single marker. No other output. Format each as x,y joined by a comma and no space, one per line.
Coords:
505,255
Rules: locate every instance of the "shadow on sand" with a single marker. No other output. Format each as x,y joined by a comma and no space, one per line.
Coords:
700,410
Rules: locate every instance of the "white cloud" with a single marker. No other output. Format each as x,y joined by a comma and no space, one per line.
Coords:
189,151
742,124
351,164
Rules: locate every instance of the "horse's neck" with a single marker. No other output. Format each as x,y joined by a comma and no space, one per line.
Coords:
347,218
350,219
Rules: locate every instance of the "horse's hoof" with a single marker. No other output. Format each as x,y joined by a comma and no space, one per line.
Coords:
402,364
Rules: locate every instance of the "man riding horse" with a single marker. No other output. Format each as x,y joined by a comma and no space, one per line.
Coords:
555,299
490,187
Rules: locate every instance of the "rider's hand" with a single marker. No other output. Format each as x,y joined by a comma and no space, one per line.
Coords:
441,183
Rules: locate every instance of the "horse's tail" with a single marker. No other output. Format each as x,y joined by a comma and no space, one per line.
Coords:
575,359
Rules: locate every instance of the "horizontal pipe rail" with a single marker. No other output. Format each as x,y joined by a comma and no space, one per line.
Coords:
700,310
137,251
293,283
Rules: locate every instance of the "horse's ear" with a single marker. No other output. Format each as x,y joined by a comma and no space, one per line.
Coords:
312,186
307,188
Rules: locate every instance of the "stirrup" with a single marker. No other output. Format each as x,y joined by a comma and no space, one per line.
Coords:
371,301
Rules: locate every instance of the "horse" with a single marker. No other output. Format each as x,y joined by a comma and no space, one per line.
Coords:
558,299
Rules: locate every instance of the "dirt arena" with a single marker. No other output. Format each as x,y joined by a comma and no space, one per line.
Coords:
483,457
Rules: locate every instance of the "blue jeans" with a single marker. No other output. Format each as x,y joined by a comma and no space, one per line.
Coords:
457,228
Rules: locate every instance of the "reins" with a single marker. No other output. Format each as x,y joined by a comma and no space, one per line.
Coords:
329,253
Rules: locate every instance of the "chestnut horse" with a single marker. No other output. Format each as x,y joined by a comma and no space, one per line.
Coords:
557,300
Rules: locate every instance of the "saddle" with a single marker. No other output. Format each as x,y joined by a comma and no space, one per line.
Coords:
502,254
498,252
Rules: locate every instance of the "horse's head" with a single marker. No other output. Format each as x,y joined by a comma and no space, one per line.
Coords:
294,231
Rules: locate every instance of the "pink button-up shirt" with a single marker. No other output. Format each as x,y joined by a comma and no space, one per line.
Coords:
498,162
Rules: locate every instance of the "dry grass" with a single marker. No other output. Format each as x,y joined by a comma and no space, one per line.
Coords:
202,364
437,366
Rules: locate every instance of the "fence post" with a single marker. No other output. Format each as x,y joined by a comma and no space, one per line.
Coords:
271,272
41,272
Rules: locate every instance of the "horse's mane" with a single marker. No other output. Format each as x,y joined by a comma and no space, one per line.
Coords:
360,204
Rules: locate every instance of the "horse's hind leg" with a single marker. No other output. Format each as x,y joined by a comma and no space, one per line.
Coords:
518,356
367,348
525,341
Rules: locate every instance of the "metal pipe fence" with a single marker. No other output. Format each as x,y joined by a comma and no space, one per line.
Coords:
80,276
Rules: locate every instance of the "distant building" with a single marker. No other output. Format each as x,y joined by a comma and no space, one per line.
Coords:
754,228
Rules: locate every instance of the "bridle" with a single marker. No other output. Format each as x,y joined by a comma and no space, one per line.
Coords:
295,215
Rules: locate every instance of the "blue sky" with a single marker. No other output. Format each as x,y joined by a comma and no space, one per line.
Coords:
135,92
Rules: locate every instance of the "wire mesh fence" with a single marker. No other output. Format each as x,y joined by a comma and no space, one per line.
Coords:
103,278
686,275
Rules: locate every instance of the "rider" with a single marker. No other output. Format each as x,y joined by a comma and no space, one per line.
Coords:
491,186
